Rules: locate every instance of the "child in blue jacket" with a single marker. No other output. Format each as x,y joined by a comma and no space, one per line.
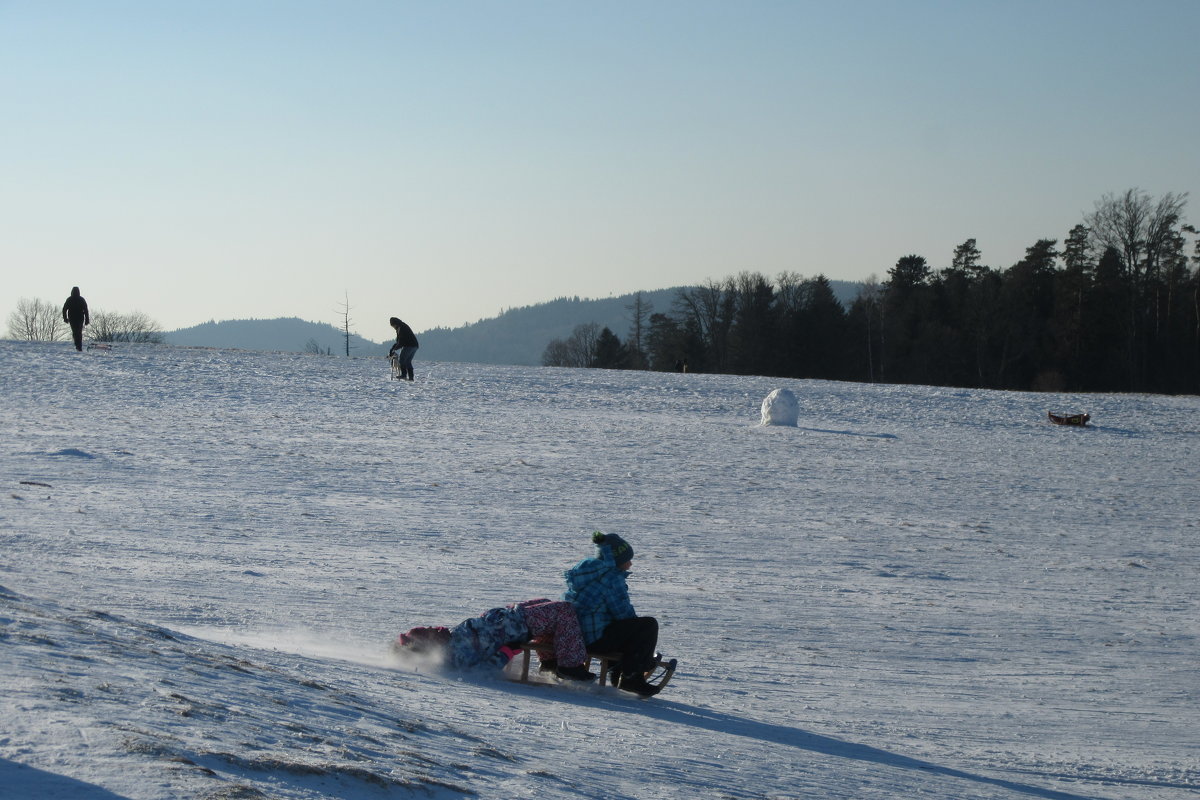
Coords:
596,587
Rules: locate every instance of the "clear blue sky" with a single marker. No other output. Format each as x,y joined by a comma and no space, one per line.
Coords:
443,161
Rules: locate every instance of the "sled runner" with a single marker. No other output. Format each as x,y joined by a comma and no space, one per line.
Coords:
660,676
1080,419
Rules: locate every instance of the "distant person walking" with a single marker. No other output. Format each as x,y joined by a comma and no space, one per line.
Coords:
75,314
406,343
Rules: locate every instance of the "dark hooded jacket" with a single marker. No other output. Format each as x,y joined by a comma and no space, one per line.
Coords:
405,336
75,310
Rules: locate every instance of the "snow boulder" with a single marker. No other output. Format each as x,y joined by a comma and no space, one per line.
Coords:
780,407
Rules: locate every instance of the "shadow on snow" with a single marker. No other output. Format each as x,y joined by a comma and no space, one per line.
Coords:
34,782
719,722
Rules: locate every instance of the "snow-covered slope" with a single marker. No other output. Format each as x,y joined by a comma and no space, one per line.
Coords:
914,592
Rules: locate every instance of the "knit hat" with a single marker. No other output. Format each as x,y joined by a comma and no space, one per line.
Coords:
622,551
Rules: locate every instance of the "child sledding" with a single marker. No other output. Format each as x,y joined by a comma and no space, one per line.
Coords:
594,619
493,638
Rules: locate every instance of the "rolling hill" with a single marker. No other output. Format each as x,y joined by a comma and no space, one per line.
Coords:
518,336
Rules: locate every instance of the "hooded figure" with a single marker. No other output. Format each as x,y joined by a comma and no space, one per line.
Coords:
596,587
75,314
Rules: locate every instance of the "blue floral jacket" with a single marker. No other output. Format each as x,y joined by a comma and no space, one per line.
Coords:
477,641
599,593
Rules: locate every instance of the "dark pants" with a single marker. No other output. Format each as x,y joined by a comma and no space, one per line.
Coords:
77,334
405,354
635,639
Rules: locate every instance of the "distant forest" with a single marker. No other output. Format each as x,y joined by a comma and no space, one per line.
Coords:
1116,308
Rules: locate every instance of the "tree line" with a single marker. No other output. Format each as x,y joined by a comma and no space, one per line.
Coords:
36,320
1116,307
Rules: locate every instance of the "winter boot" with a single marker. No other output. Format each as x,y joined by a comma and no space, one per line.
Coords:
637,683
579,673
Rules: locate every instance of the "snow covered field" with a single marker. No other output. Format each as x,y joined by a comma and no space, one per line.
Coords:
916,592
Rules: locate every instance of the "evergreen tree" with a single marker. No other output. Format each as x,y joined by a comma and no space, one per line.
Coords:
966,258
609,352
755,332
824,329
665,345
1129,320
1106,359
639,315
948,330
1072,292
1026,301
905,308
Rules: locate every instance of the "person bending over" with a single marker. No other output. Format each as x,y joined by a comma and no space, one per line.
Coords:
406,343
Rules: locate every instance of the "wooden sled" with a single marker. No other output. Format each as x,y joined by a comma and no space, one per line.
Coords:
660,676
1078,420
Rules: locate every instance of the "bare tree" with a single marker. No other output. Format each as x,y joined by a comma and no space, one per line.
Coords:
556,354
579,349
36,321
583,343
790,292
346,322
1147,237
1138,228
134,328
711,308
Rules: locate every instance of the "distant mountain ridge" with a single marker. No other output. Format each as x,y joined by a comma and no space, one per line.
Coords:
286,334
518,336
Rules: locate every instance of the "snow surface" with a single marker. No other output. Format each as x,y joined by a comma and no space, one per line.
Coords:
915,592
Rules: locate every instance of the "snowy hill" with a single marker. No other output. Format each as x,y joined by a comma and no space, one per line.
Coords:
913,592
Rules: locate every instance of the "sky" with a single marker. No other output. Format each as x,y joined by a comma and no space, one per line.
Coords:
443,162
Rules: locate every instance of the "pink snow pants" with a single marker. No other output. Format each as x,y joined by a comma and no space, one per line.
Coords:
554,622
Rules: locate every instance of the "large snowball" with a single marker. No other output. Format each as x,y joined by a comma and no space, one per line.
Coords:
780,408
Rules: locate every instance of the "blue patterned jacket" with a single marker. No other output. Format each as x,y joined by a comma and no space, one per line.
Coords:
598,591
477,641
